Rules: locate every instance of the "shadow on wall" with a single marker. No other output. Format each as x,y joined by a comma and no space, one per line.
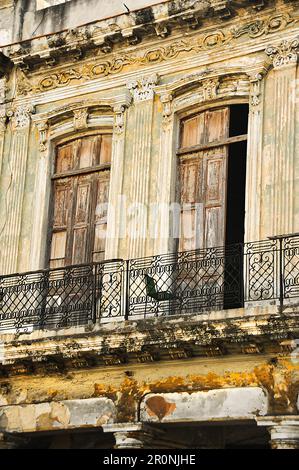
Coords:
38,17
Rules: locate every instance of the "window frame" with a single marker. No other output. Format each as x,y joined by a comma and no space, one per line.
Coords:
106,167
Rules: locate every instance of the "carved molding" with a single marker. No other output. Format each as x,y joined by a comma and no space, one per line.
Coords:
142,89
42,127
102,67
119,119
20,117
284,54
3,119
80,118
255,88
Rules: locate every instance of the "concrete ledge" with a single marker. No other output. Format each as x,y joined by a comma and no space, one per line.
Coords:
225,404
68,414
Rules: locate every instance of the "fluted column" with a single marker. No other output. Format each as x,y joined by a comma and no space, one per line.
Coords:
2,133
283,430
143,95
280,142
254,158
116,215
20,125
41,197
3,119
166,176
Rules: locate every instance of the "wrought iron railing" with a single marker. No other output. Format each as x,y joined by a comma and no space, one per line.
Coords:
62,297
176,283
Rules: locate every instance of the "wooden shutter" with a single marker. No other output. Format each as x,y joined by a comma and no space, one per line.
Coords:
80,202
202,182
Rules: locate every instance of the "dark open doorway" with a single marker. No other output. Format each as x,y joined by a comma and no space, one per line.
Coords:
235,208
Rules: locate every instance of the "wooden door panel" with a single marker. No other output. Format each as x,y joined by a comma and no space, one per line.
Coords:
64,158
58,249
190,181
203,179
80,211
106,149
193,131
79,253
100,216
214,227
62,203
83,201
216,124
215,179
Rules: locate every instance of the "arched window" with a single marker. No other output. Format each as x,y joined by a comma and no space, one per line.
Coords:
212,171
80,197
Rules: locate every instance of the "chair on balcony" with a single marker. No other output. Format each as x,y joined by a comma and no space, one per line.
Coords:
160,296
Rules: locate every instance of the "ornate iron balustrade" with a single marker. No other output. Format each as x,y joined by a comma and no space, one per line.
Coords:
215,278
60,298
176,283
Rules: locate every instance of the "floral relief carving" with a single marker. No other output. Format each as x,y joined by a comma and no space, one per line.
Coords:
119,119
283,54
42,128
80,118
20,117
143,89
3,119
266,26
114,64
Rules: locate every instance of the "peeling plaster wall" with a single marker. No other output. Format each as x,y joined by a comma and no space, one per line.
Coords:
6,21
53,16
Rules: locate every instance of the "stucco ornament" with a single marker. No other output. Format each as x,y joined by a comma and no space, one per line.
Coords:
286,53
42,127
3,119
80,118
20,116
142,89
119,119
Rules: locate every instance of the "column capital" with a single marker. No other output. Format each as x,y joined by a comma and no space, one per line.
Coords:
141,436
142,89
133,435
20,116
284,54
284,431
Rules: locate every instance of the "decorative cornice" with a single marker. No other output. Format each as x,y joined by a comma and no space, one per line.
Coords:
284,54
158,20
142,89
112,64
149,340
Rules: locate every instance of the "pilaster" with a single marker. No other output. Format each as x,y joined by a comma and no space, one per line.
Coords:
280,152
41,193
254,157
116,217
20,118
142,91
166,183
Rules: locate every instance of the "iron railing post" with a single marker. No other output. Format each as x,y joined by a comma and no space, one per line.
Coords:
94,296
127,287
281,277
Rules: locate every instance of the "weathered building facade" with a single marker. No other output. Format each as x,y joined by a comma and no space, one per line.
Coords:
148,197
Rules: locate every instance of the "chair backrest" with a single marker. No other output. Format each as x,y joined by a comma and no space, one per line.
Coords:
150,285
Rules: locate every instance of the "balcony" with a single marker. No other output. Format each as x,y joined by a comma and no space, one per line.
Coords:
193,282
